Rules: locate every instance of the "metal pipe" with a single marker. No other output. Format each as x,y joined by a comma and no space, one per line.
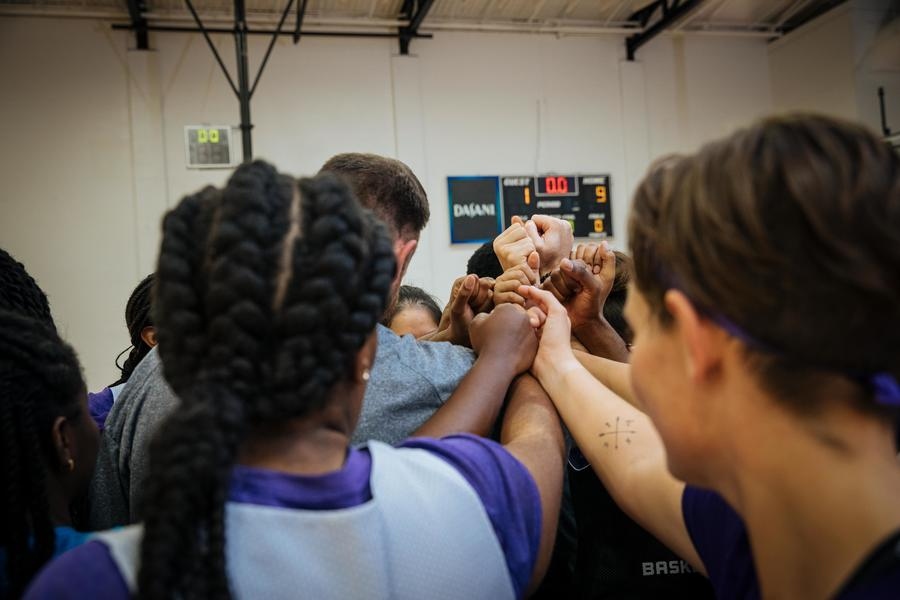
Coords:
313,33
212,46
265,59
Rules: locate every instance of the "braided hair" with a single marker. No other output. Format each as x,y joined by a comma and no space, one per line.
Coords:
137,318
40,380
20,293
266,291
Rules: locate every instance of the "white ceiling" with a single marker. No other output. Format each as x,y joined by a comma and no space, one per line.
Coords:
738,17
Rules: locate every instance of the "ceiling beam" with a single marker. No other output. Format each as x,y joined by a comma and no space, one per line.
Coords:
416,11
139,24
670,11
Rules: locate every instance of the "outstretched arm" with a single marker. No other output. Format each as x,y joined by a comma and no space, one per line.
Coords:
621,443
613,374
532,433
506,343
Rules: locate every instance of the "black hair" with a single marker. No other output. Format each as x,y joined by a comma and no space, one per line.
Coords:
40,380
20,293
266,291
614,308
386,186
137,318
413,296
484,262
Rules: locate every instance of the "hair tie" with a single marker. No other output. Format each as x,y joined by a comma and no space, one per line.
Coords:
886,388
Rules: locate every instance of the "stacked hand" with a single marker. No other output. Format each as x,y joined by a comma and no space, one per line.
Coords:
552,238
468,297
583,284
508,332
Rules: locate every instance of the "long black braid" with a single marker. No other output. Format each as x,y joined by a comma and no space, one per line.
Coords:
40,379
137,317
20,293
265,294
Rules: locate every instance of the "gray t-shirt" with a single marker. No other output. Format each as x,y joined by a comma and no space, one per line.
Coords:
410,380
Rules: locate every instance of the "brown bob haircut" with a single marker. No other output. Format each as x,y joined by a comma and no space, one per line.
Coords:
790,230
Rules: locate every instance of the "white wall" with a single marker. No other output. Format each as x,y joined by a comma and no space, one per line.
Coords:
92,149
836,63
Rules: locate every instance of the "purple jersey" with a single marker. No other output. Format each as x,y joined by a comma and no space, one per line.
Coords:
505,488
720,538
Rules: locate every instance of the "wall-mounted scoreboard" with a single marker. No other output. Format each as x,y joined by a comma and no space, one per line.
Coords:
582,200
208,147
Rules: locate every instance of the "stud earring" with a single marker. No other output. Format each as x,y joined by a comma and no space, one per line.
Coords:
365,375
70,465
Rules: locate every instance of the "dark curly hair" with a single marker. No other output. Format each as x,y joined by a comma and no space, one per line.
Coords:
266,291
137,317
40,380
20,293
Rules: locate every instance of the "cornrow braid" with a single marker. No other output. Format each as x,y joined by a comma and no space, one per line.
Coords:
40,379
137,317
20,293
266,291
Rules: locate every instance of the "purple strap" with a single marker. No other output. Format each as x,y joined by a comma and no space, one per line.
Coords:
886,388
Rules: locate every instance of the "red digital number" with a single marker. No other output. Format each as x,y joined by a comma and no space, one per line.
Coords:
556,185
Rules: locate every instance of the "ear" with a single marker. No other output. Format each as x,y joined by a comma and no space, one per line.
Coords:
148,334
702,341
365,358
61,434
403,250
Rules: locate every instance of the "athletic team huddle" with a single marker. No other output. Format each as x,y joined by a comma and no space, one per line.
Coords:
711,414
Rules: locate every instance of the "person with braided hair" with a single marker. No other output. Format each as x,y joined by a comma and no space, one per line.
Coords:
20,293
267,297
416,387
143,338
48,444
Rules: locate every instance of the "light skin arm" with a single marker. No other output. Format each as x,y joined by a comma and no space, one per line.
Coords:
614,375
532,433
620,442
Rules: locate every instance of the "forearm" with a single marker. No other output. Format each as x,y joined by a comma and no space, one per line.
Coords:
599,337
533,434
625,451
613,374
476,403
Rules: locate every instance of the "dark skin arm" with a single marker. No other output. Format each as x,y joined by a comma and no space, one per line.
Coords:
506,344
532,433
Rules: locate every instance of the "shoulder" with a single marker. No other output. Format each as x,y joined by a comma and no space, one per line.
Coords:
87,571
145,398
506,490
99,405
720,538
424,355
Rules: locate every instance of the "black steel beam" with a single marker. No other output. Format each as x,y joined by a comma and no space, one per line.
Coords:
670,12
243,72
416,16
139,24
265,59
301,12
229,31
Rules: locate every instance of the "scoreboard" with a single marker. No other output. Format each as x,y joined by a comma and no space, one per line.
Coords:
582,200
482,206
